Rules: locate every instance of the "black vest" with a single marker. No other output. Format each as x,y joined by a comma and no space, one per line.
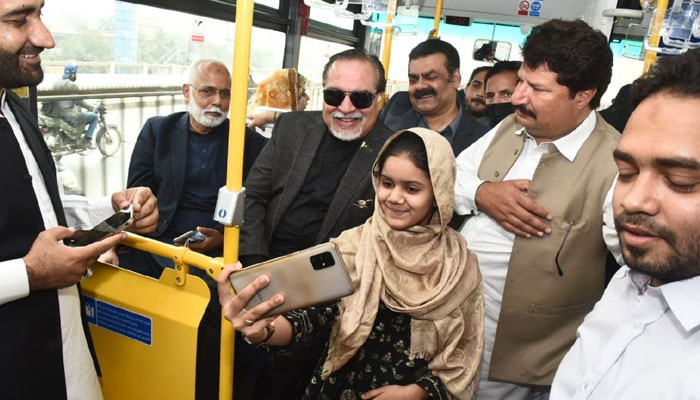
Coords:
31,355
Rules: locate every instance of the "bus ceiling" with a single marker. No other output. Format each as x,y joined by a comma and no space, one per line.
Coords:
526,13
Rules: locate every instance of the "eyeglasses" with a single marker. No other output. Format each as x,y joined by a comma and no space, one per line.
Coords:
208,91
360,99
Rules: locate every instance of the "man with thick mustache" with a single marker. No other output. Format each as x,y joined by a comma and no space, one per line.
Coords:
313,180
538,189
646,328
44,340
432,98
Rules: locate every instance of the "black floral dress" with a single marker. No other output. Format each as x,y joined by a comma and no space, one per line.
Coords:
382,360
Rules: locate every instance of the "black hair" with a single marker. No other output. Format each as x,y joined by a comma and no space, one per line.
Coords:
476,71
578,54
503,66
676,75
435,46
412,146
358,55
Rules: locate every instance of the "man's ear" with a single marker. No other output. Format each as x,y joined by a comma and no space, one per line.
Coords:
583,98
186,92
456,78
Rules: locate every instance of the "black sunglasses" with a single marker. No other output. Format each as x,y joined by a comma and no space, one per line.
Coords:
334,97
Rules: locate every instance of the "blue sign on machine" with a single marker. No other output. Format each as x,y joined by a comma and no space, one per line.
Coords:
119,320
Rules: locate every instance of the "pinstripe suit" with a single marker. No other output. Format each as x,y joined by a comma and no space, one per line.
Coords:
279,172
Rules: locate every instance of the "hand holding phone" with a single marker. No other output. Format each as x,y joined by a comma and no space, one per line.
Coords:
119,221
308,277
192,236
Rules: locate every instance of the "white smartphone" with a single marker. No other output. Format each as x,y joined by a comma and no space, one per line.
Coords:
119,221
308,277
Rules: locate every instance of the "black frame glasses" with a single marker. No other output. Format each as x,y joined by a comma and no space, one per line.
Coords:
361,99
209,91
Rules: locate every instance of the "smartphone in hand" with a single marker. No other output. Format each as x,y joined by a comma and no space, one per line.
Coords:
192,236
118,222
308,277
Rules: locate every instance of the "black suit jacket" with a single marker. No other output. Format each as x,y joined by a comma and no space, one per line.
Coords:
159,161
399,114
279,173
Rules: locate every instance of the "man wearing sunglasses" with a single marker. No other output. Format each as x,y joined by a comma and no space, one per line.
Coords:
312,181
182,158
432,100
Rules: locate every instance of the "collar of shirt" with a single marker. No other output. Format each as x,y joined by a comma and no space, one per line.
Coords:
570,144
682,297
449,131
2,103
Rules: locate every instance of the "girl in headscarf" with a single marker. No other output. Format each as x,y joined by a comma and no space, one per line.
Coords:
284,90
413,329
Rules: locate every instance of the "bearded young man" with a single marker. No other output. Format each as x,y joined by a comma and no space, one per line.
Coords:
642,339
44,340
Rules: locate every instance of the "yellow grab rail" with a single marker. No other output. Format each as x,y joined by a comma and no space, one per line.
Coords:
655,38
234,175
386,48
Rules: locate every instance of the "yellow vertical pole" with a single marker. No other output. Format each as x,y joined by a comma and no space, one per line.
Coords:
234,174
386,48
437,18
654,38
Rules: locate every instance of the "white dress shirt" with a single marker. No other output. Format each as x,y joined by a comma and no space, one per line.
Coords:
490,241
81,378
639,342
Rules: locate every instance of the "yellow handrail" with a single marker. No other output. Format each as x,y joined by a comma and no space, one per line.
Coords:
212,266
386,48
234,177
654,38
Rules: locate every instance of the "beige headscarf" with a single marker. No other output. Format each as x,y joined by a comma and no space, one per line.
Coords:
426,272
281,90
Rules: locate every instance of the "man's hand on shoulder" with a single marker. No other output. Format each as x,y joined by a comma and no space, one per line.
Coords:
145,207
52,265
508,204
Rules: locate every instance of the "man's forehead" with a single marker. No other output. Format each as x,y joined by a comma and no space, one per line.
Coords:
651,134
351,75
435,62
11,7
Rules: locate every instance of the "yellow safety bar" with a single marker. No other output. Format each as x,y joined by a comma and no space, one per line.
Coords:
182,256
654,38
388,38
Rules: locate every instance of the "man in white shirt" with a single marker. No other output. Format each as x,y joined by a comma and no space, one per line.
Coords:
642,340
538,188
44,350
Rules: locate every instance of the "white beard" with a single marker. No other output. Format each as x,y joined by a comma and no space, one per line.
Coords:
346,136
202,118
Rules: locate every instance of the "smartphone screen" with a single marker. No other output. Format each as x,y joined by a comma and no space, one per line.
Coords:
116,223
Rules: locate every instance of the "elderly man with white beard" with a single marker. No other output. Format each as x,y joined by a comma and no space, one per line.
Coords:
182,158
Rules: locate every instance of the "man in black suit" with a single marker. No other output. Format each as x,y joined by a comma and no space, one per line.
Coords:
182,157
432,100
312,180
44,342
